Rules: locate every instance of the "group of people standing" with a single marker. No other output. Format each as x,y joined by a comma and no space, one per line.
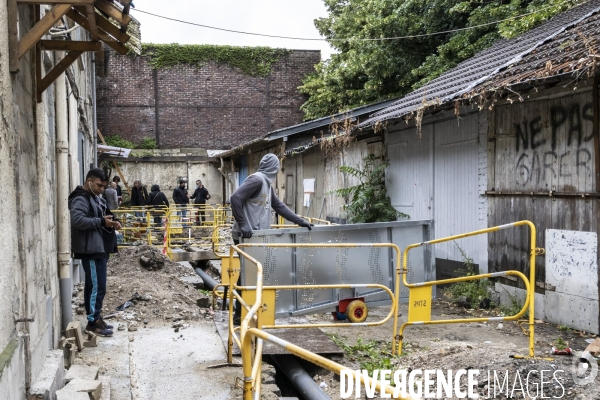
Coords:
140,197
93,236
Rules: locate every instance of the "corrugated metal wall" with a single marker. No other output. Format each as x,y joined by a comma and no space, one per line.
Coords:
441,175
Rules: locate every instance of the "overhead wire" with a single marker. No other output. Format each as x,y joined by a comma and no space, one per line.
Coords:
339,39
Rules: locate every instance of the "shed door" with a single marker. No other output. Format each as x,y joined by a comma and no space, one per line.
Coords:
410,172
456,156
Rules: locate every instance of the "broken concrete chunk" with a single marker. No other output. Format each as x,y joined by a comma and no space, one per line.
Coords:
105,387
66,394
196,281
74,331
82,372
92,387
177,317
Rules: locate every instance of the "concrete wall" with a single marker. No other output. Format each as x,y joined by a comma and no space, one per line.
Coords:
212,107
29,276
165,175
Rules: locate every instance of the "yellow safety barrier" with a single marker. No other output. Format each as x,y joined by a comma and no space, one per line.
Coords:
138,224
419,305
262,310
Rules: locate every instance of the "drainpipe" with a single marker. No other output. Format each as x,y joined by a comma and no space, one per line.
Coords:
62,193
95,121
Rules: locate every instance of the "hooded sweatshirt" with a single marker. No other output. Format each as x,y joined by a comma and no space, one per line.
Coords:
157,198
252,202
87,219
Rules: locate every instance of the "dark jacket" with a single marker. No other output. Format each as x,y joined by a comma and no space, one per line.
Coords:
87,220
139,196
157,198
200,195
180,196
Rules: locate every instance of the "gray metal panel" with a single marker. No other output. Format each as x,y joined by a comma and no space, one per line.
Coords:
322,266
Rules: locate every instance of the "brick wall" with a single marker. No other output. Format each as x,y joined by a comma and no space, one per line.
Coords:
212,107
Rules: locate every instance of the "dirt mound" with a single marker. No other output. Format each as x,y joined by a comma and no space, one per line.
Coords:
161,294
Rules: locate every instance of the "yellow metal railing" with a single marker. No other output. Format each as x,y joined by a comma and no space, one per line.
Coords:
419,304
420,298
252,324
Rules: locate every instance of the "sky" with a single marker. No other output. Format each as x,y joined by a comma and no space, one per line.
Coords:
275,17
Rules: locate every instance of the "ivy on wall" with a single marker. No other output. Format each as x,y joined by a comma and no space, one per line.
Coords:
253,61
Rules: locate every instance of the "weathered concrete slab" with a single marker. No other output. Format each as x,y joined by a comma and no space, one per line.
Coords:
105,387
112,354
82,372
196,255
169,365
50,379
92,387
67,394
12,370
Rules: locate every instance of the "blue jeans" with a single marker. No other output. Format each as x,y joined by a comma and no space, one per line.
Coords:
183,214
95,287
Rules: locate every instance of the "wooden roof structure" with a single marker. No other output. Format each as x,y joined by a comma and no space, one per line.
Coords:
107,22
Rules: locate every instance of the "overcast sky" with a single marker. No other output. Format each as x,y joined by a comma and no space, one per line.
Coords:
275,17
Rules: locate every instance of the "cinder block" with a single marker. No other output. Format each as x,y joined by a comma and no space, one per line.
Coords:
91,341
74,331
82,372
92,387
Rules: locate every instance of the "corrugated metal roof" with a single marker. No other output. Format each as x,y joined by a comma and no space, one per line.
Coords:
572,51
481,68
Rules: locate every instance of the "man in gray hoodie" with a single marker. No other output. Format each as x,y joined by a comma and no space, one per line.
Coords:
88,219
251,206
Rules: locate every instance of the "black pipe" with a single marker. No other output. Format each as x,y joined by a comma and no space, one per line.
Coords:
301,380
209,282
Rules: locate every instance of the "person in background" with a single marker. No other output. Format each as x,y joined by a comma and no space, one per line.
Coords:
251,206
157,199
200,196
182,199
117,180
139,197
110,194
88,217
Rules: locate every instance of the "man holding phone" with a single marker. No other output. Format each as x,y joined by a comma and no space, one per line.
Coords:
88,218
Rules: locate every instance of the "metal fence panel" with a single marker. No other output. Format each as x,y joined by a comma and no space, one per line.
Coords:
321,266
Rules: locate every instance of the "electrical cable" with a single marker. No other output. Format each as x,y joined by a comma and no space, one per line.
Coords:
341,39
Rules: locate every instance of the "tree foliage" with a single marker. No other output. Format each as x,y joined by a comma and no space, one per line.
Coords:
363,71
368,201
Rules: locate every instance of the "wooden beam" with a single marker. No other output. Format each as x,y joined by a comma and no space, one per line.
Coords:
59,69
55,1
106,25
67,45
91,14
40,29
13,36
83,21
112,11
115,164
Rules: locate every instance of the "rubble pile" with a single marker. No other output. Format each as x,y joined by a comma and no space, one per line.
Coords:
149,286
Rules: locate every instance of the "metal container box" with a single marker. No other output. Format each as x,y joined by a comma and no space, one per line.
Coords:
329,266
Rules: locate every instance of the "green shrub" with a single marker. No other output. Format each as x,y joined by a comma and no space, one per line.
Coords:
148,144
118,141
475,291
368,201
